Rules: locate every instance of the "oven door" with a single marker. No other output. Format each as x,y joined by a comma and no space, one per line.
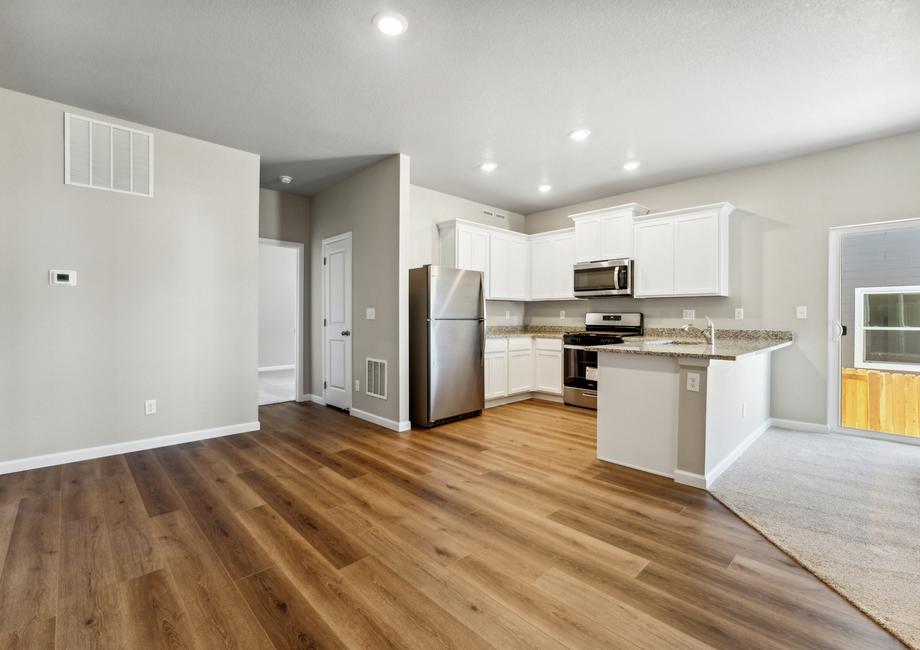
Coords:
579,377
608,278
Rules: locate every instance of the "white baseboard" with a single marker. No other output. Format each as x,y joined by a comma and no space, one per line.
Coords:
638,467
384,422
276,368
735,453
689,478
520,397
316,399
798,425
63,457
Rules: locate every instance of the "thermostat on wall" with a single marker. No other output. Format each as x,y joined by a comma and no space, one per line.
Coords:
68,278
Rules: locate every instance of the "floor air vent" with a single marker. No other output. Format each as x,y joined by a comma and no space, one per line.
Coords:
376,382
107,157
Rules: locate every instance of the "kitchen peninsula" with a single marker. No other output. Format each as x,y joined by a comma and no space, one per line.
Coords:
682,407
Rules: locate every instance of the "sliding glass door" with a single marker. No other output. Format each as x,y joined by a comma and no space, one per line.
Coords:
875,330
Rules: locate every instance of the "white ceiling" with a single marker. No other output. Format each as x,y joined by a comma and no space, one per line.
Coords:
688,87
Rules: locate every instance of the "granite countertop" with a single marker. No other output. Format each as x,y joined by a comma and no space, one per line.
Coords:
541,331
730,345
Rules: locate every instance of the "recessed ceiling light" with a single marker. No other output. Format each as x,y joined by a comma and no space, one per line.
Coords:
287,180
580,134
488,167
391,23
631,165
546,187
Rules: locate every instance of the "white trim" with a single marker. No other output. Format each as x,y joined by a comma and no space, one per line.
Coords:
638,467
798,425
89,453
522,397
735,453
292,366
859,348
689,478
876,435
382,421
316,399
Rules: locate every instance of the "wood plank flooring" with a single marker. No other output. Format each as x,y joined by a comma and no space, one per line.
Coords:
322,530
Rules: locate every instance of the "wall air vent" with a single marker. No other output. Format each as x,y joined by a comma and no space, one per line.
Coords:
375,383
107,157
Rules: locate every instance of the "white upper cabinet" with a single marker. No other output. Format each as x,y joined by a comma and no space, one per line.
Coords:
683,252
466,246
552,256
509,266
605,234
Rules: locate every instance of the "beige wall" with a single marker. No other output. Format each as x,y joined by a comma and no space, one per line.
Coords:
779,249
165,307
367,205
287,217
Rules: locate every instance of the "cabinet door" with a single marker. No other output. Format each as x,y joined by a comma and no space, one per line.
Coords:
518,269
588,246
542,282
499,279
561,264
520,371
696,254
654,249
496,379
617,237
473,252
548,371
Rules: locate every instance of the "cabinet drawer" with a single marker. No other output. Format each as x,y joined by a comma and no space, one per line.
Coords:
519,343
548,344
496,345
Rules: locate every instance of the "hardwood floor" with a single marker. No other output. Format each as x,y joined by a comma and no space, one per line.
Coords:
322,530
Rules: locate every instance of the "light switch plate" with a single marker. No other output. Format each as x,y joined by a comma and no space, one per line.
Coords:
150,407
693,382
689,314
801,312
739,313
357,385
561,313
370,313
507,314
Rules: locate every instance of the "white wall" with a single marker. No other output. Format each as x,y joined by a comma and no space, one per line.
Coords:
166,301
277,305
779,246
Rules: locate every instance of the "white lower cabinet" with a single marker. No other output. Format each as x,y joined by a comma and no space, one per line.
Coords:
520,365
496,368
547,370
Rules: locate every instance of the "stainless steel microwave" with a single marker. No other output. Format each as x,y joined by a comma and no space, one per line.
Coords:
605,278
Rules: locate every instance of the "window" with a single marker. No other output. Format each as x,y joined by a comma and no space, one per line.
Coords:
888,328
107,157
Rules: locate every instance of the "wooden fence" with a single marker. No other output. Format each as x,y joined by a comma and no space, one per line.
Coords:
881,401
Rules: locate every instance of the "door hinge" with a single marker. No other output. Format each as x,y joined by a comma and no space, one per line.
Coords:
324,322
324,261
324,385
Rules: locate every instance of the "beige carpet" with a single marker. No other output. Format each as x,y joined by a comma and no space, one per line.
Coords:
848,509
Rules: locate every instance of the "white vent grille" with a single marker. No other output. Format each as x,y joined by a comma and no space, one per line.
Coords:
107,157
375,383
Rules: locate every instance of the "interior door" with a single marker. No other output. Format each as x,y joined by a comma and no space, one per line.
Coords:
337,321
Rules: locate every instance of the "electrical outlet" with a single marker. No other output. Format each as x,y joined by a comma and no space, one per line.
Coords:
507,314
689,314
801,312
693,382
561,313
150,407
370,313
739,313
357,385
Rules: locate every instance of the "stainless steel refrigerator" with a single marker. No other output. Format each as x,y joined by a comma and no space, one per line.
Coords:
446,344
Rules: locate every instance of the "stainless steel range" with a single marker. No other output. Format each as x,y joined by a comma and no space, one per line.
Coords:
579,378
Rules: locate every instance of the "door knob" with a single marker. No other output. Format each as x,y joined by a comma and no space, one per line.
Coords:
346,332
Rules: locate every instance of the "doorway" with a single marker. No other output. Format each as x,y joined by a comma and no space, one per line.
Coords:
280,366
337,321
874,314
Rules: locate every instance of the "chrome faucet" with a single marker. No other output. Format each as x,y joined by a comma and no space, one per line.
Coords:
709,333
